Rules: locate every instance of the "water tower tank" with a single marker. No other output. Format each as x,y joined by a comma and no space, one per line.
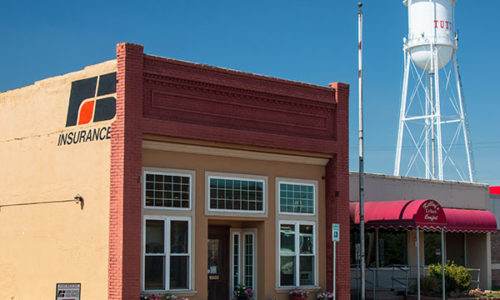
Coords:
430,22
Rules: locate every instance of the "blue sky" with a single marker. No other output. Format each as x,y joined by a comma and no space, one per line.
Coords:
302,40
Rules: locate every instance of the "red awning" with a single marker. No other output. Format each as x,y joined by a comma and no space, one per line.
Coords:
470,220
424,214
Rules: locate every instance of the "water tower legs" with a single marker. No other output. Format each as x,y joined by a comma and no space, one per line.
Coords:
430,111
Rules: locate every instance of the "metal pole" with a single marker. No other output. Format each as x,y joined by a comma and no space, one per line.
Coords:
463,121
418,264
402,114
433,124
443,285
465,249
334,270
361,152
377,258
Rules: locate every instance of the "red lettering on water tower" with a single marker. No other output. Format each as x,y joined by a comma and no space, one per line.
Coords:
442,24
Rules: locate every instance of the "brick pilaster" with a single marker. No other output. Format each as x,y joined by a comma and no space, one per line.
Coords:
126,160
337,197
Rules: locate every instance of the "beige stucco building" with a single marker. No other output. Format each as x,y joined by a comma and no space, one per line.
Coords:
52,241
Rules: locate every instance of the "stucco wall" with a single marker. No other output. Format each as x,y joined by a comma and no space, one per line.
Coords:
449,194
266,226
479,257
49,243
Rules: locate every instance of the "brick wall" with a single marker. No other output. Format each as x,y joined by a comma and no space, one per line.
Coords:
337,198
495,258
125,203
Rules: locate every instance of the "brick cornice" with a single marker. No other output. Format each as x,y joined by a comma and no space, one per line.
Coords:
238,79
226,90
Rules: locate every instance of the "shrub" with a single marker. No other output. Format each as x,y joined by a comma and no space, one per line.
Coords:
456,278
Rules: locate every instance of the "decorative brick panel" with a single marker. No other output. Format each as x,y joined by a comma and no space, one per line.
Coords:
207,103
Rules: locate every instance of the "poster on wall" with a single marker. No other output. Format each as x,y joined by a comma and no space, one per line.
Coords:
68,291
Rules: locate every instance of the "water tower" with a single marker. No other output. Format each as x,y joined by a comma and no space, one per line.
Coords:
433,136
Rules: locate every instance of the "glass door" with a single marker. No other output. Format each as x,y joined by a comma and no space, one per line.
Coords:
244,258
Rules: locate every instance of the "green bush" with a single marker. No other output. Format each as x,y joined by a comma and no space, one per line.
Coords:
456,278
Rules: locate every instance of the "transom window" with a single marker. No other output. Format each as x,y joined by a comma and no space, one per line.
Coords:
297,254
167,190
167,253
296,198
236,194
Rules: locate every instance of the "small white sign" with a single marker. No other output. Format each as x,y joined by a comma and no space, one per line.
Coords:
68,291
335,232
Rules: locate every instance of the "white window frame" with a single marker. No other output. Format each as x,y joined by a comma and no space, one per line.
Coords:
168,172
166,252
297,253
296,219
241,233
234,212
312,183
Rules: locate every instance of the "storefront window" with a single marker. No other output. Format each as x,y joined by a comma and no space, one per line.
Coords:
167,190
392,246
166,265
154,261
432,248
297,254
393,249
296,198
236,194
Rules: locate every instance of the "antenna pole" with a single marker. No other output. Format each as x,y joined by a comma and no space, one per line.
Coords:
361,153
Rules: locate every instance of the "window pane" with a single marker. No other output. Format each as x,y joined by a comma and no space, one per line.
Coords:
287,270
287,239
154,236
164,190
213,256
432,247
229,194
249,260
179,272
179,237
306,266
154,273
236,260
392,248
370,249
296,198
306,239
